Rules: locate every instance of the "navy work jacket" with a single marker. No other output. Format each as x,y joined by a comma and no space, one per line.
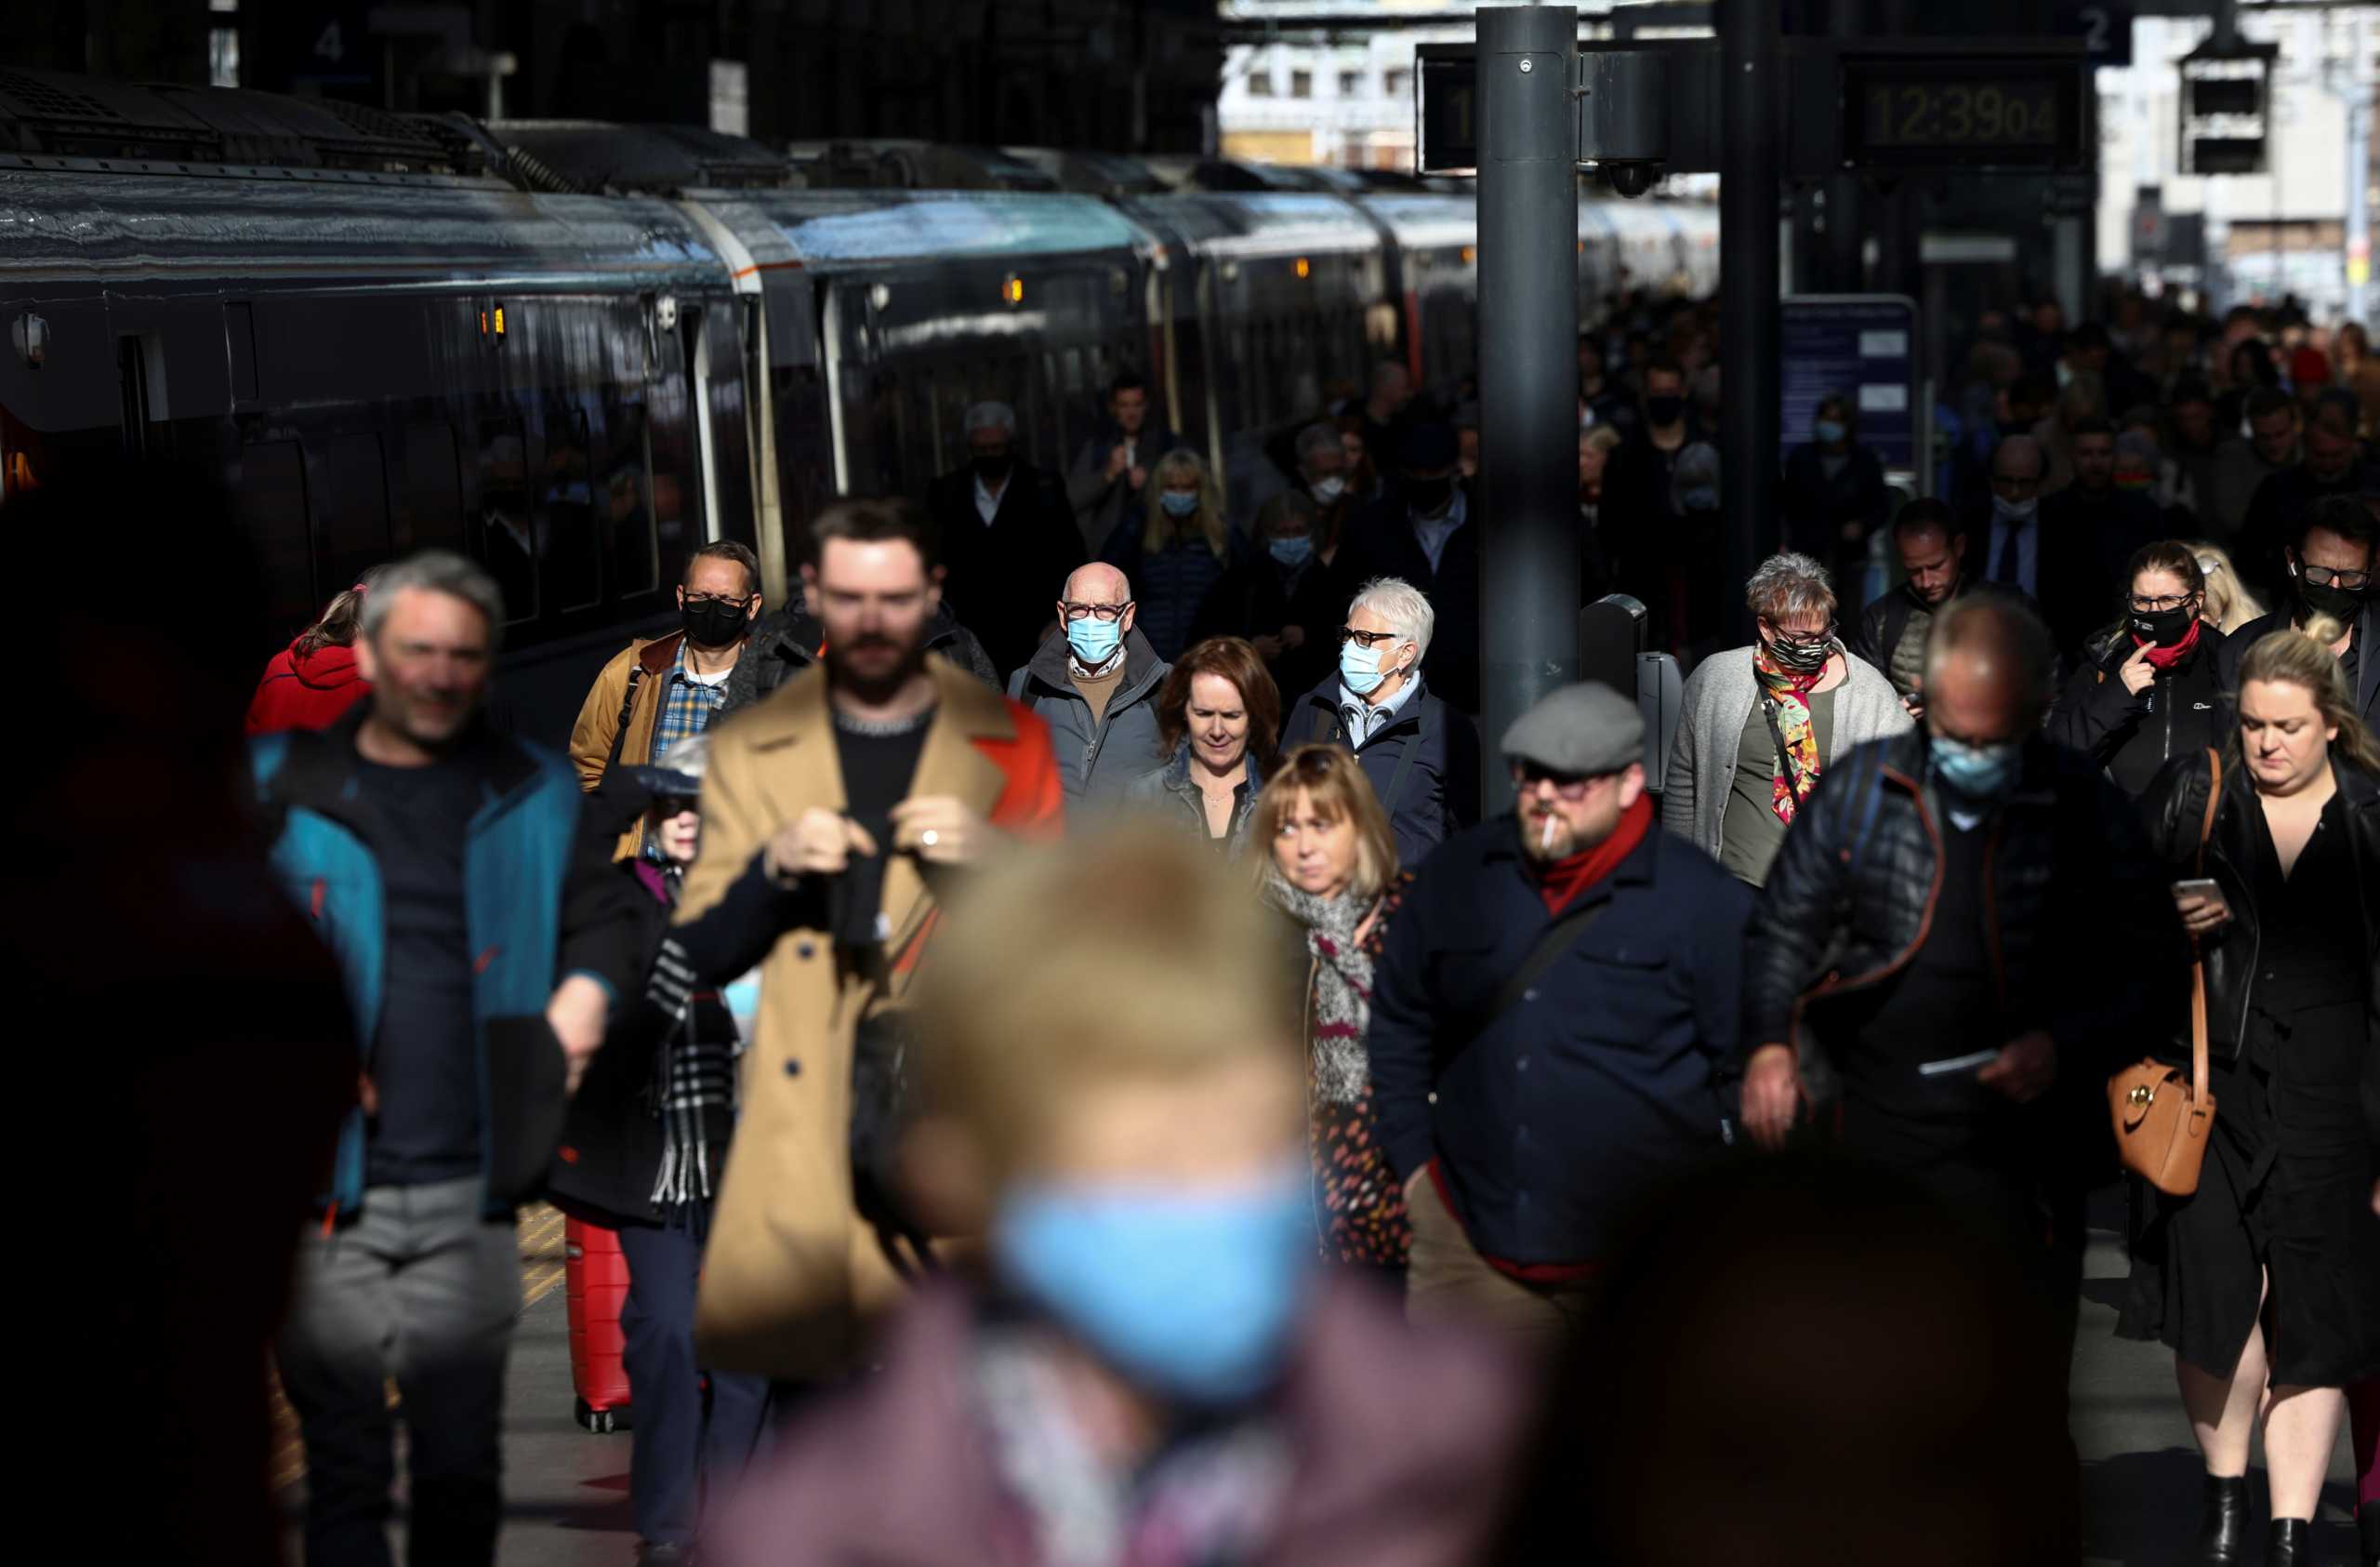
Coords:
1605,1079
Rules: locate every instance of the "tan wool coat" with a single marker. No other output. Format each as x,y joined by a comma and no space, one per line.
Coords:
792,1274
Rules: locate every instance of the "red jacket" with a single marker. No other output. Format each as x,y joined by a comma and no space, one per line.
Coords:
305,691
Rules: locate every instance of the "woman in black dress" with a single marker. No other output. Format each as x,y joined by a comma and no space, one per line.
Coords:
2265,1283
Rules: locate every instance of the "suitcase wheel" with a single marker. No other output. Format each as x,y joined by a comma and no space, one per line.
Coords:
601,1422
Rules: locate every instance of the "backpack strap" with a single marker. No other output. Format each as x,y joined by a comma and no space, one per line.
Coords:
628,705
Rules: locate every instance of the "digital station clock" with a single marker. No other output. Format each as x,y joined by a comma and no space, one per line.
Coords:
1966,111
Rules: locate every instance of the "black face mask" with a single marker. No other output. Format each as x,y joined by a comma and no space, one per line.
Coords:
1429,496
2342,604
993,467
2015,426
2165,628
1664,410
715,623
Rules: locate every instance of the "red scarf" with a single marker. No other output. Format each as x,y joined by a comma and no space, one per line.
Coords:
2166,658
1564,879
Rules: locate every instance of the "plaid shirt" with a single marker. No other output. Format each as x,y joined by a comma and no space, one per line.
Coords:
687,706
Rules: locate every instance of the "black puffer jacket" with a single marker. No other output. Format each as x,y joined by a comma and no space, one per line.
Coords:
786,641
2174,811
2086,942
2181,711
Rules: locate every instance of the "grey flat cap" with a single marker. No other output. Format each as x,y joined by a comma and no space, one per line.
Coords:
1579,730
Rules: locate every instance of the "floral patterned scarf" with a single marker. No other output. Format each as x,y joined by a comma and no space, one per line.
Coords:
1787,697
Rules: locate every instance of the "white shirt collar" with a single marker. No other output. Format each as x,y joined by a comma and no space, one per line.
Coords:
987,505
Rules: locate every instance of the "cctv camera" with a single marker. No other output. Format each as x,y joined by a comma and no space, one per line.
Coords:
1632,178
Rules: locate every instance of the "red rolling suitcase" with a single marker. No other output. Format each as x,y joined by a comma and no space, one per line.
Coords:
596,1283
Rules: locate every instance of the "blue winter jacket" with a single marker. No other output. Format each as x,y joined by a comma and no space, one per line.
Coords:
536,902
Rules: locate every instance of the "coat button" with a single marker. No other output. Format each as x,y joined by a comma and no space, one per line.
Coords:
792,1067
805,948
1529,994
1521,1064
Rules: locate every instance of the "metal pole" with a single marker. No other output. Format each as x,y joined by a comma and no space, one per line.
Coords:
1749,60
2358,179
1528,332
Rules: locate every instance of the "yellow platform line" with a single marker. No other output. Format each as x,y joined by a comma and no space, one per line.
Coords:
542,1272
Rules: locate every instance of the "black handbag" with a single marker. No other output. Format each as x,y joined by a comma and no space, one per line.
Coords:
884,1103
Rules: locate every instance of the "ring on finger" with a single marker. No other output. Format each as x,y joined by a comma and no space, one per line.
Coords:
929,838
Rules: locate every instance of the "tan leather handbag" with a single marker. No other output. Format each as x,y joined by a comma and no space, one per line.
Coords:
2163,1118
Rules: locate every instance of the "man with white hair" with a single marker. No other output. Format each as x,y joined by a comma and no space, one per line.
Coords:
1096,683
1421,756
1007,534
1758,725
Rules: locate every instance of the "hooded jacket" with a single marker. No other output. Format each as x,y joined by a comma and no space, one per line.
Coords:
1097,761
306,690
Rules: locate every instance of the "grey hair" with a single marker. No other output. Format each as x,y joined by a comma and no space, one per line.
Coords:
1318,437
434,571
1405,609
1790,584
1997,628
991,415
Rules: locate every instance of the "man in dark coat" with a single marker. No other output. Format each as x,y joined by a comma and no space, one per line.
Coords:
2330,570
1421,757
1007,533
1920,971
1282,596
1833,495
1425,532
1553,1024
1936,566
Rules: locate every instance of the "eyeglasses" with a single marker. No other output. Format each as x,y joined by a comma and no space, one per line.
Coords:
2323,576
693,599
1105,613
2160,604
1365,639
1571,787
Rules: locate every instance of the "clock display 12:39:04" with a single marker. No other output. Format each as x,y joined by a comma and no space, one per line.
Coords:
1908,113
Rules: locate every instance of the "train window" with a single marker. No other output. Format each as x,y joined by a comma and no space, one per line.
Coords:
139,369
430,506
350,509
574,566
270,497
240,345
501,527
627,504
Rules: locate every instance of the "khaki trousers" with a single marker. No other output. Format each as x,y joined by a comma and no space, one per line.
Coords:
1447,1281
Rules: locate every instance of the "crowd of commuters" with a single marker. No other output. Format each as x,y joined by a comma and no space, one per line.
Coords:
1084,1070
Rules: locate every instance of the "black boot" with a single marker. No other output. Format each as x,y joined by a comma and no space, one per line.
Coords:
2289,1543
2223,1534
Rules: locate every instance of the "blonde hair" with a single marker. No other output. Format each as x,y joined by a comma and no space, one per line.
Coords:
1162,532
1602,438
1335,781
1128,953
2301,656
2228,604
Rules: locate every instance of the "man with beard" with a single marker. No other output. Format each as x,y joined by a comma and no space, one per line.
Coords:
2333,465
1552,1025
2330,572
835,812
1891,633
656,693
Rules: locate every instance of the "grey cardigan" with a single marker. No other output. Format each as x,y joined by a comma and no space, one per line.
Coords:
1718,700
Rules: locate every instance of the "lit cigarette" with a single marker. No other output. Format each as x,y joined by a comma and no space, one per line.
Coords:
1545,839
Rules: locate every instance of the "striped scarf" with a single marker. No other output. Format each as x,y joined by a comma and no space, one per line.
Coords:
1787,695
1343,987
693,1087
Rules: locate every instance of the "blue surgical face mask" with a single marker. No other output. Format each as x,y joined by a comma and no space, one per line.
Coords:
1179,503
1359,668
1978,771
1095,639
1699,497
1291,552
1830,431
2014,511
1192,1295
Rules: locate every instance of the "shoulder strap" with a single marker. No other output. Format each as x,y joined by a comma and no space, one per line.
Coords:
1326,723
2213,798
1557,939
628,705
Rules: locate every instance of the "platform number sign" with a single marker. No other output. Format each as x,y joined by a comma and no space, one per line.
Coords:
330,48
2105,27
327,44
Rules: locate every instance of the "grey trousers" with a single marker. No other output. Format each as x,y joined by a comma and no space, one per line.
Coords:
420,1288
